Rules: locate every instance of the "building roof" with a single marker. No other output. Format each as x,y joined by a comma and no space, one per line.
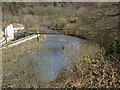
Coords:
18,25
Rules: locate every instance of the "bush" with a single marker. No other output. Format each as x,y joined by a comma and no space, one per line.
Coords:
102,73
113,48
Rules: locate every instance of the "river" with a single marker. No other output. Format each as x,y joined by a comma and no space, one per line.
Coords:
45,64
54,56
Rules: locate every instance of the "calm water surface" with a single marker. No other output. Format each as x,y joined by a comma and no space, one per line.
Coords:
56,55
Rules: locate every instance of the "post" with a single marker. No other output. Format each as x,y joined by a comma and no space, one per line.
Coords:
5,36
38,35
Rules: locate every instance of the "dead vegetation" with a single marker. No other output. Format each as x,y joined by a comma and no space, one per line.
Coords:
101,21
100,73
92,70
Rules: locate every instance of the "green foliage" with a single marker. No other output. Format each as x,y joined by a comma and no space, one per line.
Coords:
55,4
88,60
114,48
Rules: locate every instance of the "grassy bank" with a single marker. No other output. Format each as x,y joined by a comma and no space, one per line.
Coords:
13,76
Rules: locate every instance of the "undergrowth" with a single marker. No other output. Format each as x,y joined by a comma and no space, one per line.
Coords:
102,72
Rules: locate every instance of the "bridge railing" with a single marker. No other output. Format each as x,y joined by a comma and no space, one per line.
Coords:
55,31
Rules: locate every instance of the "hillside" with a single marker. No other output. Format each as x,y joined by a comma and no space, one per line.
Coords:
100,19
100,28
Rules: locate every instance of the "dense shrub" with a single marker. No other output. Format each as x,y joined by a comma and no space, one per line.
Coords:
114,48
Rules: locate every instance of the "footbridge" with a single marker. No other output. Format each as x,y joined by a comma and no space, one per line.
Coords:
56,31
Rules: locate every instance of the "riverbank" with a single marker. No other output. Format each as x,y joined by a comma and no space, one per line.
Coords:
12,54
92,70
34,63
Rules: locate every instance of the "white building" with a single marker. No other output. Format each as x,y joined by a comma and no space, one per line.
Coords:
10,31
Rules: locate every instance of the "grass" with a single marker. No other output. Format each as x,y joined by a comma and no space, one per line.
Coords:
10,58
